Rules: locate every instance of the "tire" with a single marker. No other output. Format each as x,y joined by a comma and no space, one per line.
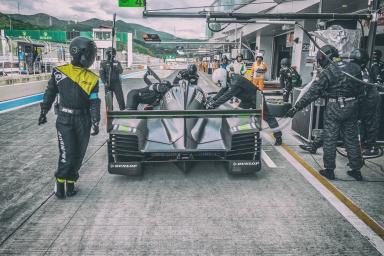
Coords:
277,107
235,167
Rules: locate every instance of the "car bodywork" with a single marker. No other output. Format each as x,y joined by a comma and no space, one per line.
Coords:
192,135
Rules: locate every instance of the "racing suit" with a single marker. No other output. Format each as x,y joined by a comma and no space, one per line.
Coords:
258,71
115,85
243,89
77,109
341,113
183,74
147,95
289,78
370,109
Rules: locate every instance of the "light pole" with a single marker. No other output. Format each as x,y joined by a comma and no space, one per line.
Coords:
10,22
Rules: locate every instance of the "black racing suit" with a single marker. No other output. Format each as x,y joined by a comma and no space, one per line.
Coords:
183,74
341,113
244,90
370,108
289,78
146,95
78,107
115,85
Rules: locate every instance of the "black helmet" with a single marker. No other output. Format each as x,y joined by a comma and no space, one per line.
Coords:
83,51
359,56
330,51
377,54
192,69
110,52
285,62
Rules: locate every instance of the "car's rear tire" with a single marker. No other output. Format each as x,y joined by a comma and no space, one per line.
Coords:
234,168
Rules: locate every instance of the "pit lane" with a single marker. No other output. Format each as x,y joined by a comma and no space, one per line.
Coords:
165,212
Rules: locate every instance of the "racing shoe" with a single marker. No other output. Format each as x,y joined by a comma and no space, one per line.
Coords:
355,174
71,190
328,173
60,188
372,151
278,141
309,147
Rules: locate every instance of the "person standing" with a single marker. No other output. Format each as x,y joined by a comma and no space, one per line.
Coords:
238,66
115,80
370,104
78,110
289,78
342,96
258,70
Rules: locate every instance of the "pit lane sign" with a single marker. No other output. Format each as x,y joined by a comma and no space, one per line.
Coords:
132,3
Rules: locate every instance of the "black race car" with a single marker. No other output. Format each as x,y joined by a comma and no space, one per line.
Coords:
180,130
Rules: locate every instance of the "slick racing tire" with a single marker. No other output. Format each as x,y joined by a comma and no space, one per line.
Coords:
277,107
242,167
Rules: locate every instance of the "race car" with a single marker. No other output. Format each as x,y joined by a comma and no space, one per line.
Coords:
180,130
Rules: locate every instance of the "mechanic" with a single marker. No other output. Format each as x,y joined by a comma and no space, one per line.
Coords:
115,86
289,78
258,70
78,110
238,66
150,94
377,67
341,113
189,74
240,87
370,104
224,62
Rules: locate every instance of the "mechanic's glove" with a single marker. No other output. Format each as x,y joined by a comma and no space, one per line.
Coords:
95,128
291,112
43,116
210,104
184,74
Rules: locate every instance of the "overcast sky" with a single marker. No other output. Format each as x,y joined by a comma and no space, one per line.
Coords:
103,9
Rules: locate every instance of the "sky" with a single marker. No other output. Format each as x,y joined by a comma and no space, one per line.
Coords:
103,9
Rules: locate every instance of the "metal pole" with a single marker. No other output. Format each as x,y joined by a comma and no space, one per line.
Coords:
278,22
375,4
291,16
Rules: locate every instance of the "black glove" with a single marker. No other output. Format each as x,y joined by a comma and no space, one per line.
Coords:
210,104
163,87
43,116
291,112
95,128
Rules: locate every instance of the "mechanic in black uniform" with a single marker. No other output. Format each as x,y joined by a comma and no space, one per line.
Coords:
77,108
370,104
289,78
150,94
115,86
341,113
240,87
189,74
377,67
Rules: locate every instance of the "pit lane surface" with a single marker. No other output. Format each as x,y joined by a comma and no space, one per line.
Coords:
165,212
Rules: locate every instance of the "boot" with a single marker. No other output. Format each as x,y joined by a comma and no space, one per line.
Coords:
309,147
279,141
71,190
371,151
328,173
60,188
355,174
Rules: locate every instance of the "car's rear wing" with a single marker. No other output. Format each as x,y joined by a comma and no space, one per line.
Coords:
214,113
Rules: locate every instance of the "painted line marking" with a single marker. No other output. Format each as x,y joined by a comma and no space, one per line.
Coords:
350,211
267,160
9,105
132,74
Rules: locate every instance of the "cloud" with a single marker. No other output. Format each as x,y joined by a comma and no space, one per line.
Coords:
103,9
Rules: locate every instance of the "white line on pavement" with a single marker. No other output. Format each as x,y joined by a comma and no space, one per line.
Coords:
267,160
364,229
